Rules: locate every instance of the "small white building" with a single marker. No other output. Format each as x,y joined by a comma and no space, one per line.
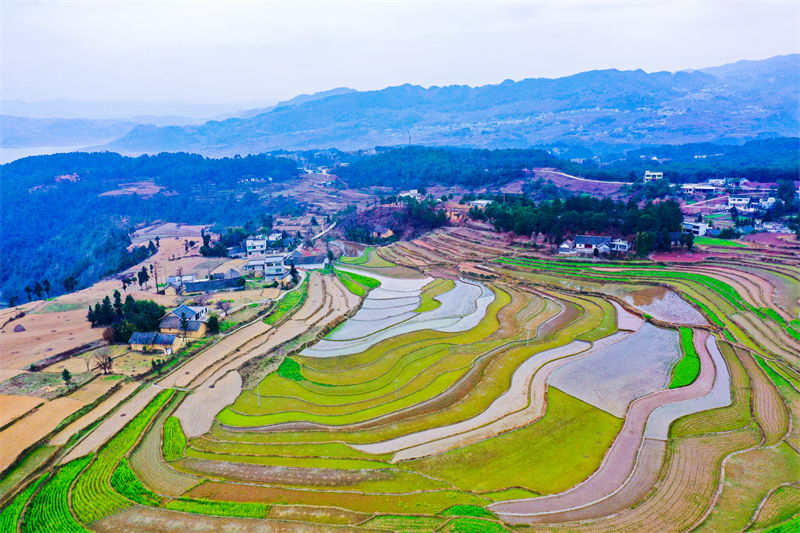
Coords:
566,247
766,203
413,193
695,228
739,202
652,176
698,188
479,203
620,245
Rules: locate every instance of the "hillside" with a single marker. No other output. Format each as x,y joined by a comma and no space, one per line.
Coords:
744,100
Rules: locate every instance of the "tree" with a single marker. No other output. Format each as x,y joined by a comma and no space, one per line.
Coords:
151,248
314,221
224,306
67,377
104,361
689,241
13,301
70,283
38,289
158,241
206,240
213,324
184,324
117,302
28,291
143,276
46,286
294,273
186,246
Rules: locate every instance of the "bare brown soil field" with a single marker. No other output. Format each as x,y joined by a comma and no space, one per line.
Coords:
154,520
768,406
148,463
228,344
95,388
105,406
681,257
198,410
580,185
8,374
13,407
280,475
322,515
774,509
777,240
112,425
44,335
33,427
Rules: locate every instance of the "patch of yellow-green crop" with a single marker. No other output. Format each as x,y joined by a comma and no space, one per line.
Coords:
583,433
428,301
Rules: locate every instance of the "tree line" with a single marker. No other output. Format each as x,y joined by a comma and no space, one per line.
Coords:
123,318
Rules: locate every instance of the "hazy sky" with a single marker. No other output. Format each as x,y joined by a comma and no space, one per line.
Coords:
222,52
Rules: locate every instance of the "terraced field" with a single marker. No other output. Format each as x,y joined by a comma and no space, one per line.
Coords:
453,383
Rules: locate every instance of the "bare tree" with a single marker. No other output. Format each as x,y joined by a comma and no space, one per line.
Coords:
102,358
224,306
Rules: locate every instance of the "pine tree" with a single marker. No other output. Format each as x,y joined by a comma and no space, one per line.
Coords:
46,286
38,289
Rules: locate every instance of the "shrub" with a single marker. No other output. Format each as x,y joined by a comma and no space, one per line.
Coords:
291,369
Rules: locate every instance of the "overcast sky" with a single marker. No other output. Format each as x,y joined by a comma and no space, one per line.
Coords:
223,52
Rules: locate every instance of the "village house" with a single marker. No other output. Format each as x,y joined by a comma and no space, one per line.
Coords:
151,342
698,188
652,176
269,267
213,285
620,245
739,202
695,228
307,259
479,203
196,317
587,243
256,245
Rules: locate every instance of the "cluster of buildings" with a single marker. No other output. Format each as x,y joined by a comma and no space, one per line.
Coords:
172,330
276,266
587,244
222,281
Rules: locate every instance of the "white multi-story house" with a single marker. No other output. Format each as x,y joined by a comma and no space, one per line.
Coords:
652,176
256,246
270,267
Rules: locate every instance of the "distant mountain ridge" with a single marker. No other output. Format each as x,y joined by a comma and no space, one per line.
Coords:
744,100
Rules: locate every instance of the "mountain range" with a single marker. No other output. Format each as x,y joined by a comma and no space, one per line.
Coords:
602,108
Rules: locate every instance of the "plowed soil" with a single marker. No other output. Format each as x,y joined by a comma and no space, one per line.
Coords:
12,407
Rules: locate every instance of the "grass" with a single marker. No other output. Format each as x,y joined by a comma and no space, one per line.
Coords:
9,517
291,370
583,433
473,525
688,368
792,526
467,510
360,260
93,498
31,462
289,301
49,509
356,283
219,508
434,289
174,440
124,481
710,241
